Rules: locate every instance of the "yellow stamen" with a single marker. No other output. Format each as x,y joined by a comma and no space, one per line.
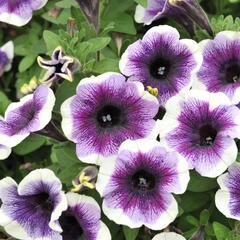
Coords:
153,91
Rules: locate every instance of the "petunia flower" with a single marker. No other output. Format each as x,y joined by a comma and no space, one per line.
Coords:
19,12
31,114
220,70
82,220
184,12
137,185
168,236
228,196
31,210
60,66
6,56
4,152
162,61
106,111
202,127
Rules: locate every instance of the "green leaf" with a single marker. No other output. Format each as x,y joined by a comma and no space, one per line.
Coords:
51,39
30,144
64,91
193,201
64,156
201,184
129,233
142,2
66,4
204,217
192,220
220,231
27,62
106,65
4,102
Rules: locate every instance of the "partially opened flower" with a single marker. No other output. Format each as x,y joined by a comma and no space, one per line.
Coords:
168,236
60,66
184,12
31,114
31,209
19,12
228,197
82,220
220,70
137,185
202,127
6,56
4,152
106,111
162,61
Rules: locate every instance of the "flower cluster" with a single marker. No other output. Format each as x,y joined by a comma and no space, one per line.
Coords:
172,109
37,208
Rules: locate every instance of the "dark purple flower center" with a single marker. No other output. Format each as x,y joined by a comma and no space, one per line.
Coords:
109,116
207,134
143,181
3,60
231,72
71,228
161,113
160,68
43,203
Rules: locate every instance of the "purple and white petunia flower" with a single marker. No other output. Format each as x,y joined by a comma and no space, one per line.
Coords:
60,66
6,57
202,127
162,61
31,114
184,12
82,220
106,111
31,210
228,197
137,185
220,70
168,236
19,12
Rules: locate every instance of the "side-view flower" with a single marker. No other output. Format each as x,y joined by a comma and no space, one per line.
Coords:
31,114
202,127
106,111
162,61
60,66
19,12
6,57
185,12
228,197
137,185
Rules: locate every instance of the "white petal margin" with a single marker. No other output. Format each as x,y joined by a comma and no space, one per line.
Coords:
75,199
45,114
67,118
117,215
16,20
168,236
12,141
10,226
222,197
8,48
100,79
4,152
26,187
